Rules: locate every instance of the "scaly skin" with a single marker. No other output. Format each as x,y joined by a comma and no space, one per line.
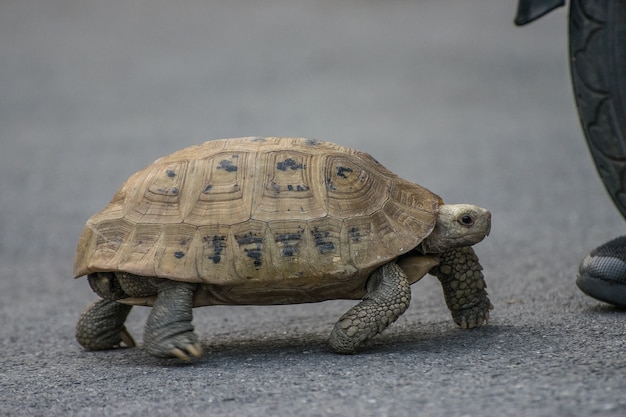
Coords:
388,296
168,332
463,286
101,326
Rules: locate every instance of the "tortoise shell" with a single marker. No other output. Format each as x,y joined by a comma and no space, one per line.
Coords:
252,218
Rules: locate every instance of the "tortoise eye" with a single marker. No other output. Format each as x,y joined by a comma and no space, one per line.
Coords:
466,220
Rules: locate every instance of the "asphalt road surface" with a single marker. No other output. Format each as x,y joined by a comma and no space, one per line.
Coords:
446,93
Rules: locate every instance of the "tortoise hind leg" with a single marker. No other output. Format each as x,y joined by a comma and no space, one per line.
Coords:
169,331
101,326
388,296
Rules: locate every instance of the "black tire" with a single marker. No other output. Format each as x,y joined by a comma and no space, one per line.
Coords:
597,34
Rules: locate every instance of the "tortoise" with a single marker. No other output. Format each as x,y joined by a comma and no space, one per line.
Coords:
261,221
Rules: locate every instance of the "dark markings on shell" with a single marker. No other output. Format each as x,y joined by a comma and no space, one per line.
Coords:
257,139
256,251
179,254
170,173
248,239
311,142
289,242
289,164
228,166
285,237
355,234
207,188
323,245
255,254
329,185
218,242
166,191
299,187
341,171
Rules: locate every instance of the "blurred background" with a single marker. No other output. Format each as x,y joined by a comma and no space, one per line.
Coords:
447,93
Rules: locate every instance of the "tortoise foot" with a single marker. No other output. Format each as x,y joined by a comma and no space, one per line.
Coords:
101,326
473,317
169,332
183,346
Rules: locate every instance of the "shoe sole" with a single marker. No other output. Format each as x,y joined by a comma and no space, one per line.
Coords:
608,292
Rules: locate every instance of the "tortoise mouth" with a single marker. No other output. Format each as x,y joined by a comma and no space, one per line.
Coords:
472,239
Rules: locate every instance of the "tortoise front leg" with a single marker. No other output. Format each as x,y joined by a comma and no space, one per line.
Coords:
101,326
463,287
169,331
388,296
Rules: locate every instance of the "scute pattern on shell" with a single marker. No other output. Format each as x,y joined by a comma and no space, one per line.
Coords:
287,212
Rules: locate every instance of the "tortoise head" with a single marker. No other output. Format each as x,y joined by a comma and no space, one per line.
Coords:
457,225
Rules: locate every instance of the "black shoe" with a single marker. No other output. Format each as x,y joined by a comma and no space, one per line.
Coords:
602,274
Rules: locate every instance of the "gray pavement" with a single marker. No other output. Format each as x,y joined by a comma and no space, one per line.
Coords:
447,93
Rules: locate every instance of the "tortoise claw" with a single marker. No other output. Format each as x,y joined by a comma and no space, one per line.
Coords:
463,324
126,339
471,321
193,350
